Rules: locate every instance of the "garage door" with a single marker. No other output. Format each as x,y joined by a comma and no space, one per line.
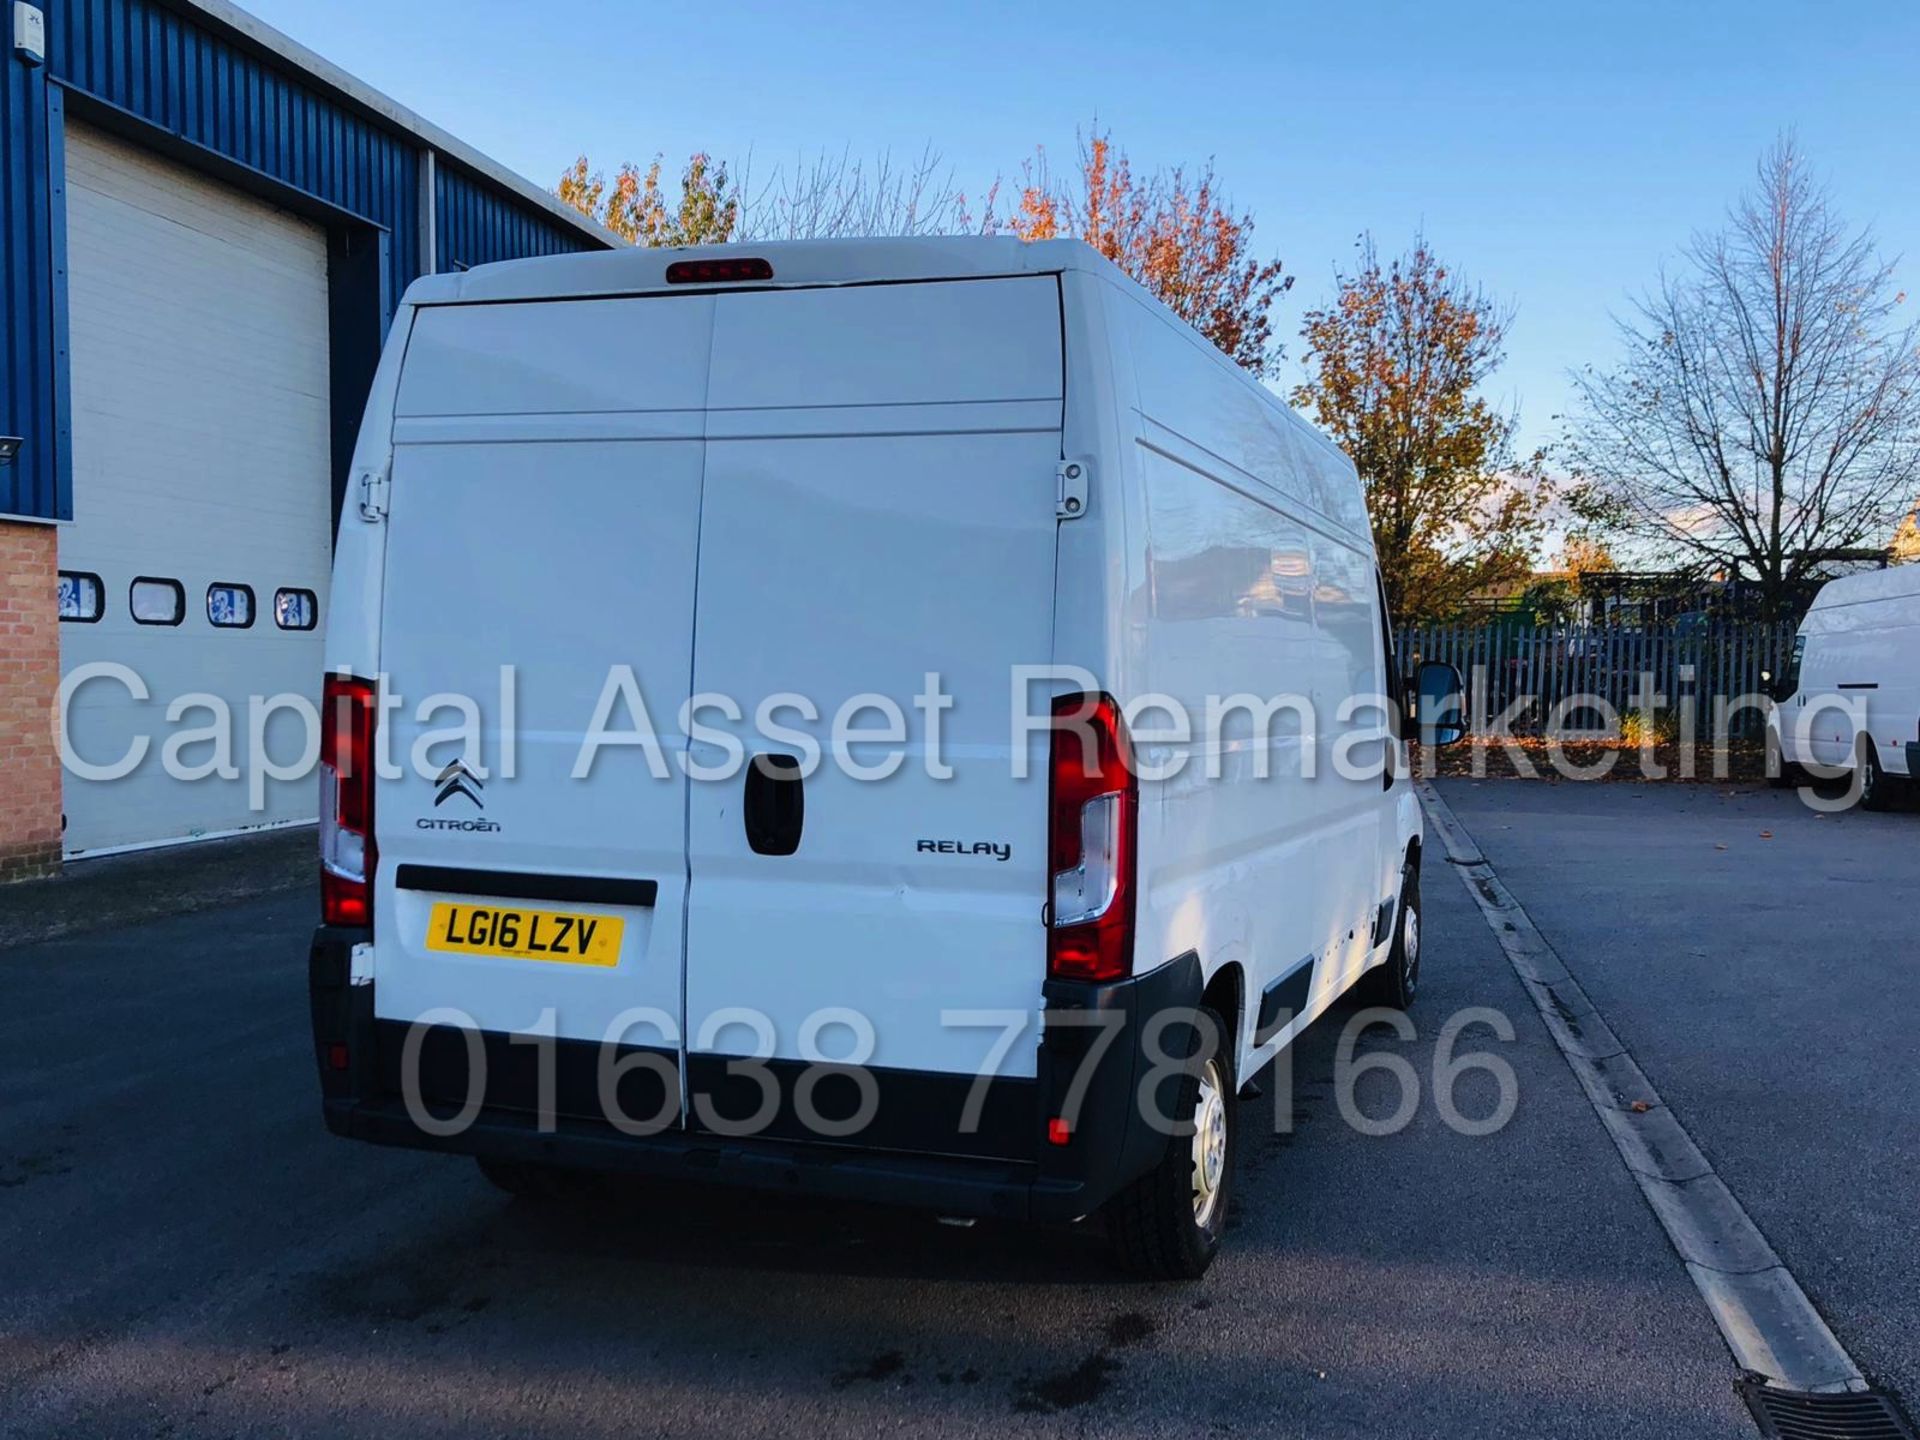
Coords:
201,530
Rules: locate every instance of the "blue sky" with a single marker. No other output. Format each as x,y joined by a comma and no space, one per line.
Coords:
1557,153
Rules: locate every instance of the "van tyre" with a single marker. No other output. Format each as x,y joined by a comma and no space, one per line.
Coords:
1167,1225
1395,983
1876,791
1779,773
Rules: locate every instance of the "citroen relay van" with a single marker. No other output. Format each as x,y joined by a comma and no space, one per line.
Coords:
1849,702
898,719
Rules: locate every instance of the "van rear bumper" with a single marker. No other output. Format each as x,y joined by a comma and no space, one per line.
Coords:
954,1185
1018,1175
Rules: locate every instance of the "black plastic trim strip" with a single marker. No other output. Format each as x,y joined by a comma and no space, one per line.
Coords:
1860,685
1286,995
522,885
945,1185
914,1111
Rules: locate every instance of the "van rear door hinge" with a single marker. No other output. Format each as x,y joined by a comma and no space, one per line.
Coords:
373,495
1070,488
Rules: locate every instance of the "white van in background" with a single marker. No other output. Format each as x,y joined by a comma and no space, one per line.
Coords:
1857,654
706,500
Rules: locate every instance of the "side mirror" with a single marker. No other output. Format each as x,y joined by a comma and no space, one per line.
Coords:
1441,707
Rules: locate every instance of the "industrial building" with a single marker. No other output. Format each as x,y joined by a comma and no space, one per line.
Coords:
207,229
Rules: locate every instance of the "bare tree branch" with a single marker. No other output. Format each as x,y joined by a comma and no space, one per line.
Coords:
829,196
1766,409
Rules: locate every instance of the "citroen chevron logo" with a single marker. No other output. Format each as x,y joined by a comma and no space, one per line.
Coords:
456,779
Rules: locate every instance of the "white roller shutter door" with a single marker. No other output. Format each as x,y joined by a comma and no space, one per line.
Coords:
198,326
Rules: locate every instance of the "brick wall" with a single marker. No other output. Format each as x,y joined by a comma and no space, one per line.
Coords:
29,682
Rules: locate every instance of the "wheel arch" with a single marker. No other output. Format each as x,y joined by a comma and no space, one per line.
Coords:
1226,993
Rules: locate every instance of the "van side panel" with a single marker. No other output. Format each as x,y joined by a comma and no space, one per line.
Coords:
1190,388
1259,581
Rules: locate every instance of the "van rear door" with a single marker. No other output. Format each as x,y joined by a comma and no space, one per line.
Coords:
879,507
545,501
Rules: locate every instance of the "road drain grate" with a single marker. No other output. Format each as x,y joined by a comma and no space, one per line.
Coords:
1797,1415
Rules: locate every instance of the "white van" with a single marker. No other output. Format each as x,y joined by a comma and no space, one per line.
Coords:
1850,700
771,864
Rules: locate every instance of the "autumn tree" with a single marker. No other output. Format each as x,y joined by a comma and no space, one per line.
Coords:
1555,598
1395,366
1906,540
1765,413
638,207
1174,233
1581,555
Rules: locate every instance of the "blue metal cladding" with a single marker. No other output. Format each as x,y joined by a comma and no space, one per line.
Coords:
153,63
160,65
478,225
35,483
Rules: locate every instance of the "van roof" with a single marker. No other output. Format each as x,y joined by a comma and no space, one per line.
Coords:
636,270
1897,582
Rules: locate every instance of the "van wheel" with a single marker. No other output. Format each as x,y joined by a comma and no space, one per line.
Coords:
1167,1224
1876,791
1779,773
1395,983
525,1181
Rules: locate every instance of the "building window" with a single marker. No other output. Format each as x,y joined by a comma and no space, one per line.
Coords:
157,602
82,597
296,609
230,606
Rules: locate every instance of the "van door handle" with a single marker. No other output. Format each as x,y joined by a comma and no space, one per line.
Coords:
774,807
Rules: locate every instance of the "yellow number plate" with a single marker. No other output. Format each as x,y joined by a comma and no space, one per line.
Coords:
517,934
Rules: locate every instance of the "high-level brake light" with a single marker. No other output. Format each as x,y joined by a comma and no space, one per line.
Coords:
718,272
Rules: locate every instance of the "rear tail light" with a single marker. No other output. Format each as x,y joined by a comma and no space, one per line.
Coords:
346,801
1093,820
